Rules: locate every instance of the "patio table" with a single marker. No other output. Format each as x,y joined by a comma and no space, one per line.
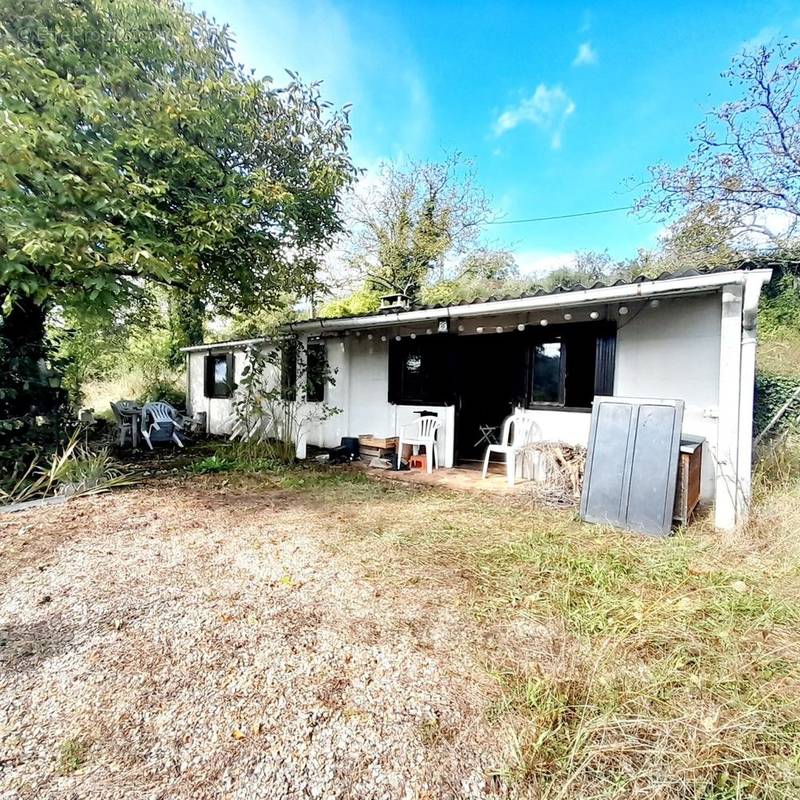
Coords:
134,413
488,434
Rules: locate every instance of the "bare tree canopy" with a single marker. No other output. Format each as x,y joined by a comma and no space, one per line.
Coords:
413,221
745,165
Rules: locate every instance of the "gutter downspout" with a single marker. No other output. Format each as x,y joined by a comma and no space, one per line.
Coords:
747,375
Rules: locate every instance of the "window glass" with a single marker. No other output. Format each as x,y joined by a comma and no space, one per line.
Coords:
546,386
316,370
413,380
414,363
289,371
419,371
219,375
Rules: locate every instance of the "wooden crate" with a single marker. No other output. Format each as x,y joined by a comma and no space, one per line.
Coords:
370,446
382,443
687,492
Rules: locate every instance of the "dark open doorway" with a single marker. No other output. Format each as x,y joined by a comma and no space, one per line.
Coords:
491,379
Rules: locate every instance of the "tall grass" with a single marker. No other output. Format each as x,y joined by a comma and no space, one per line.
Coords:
623,667
74,469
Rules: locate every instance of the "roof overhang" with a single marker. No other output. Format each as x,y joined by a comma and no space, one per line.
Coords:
600,295
235,344
664,287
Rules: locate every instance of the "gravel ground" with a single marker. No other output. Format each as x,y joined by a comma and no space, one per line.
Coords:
193,640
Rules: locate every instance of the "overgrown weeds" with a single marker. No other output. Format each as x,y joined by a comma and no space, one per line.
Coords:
72,755
75,469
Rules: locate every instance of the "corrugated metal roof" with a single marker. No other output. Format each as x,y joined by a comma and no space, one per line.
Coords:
562,289
565,288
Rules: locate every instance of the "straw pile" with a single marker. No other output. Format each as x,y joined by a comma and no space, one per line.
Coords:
557,471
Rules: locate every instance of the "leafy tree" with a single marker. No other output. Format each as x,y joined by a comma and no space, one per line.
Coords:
589,267
745,165
134,149
262,321
87,346
415,221
482,273
363,301
135,152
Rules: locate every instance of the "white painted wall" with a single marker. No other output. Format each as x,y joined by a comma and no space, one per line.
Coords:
217,409
571,427
673,351
361,391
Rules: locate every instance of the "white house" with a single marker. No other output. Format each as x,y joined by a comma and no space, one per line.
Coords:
688,336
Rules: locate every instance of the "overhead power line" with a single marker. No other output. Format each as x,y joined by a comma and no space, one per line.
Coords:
560,216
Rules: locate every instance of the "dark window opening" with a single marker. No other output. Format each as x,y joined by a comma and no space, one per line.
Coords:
569,369
420,370
546,373
289,370
316,372
219,375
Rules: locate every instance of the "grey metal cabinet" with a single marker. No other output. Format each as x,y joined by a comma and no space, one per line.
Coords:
631,463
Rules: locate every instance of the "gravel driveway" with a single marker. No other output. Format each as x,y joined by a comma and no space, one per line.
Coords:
193,640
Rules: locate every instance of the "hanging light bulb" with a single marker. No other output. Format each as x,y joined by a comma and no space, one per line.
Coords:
499,329
521,327
369,336
383,338
543,322
461,329
413,335
594,315
623,310
429,331
397,338
567,316
655,303
479,329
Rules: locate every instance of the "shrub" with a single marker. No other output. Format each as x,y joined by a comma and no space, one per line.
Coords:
772,391
212,464
75,469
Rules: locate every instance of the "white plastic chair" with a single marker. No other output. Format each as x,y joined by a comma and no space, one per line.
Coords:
421,432
158,414
256,429
519,430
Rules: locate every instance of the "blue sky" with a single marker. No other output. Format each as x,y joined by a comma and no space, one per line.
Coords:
562,106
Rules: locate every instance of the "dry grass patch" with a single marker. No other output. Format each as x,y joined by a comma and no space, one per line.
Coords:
624,667
608,665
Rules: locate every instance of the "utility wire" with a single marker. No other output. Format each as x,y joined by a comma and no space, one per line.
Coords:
560,216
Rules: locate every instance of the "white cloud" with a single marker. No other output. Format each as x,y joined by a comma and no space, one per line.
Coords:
547,109
540,262
585,56
764,36
767,228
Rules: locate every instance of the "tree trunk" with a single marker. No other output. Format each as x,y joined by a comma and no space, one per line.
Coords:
23,361
31,400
